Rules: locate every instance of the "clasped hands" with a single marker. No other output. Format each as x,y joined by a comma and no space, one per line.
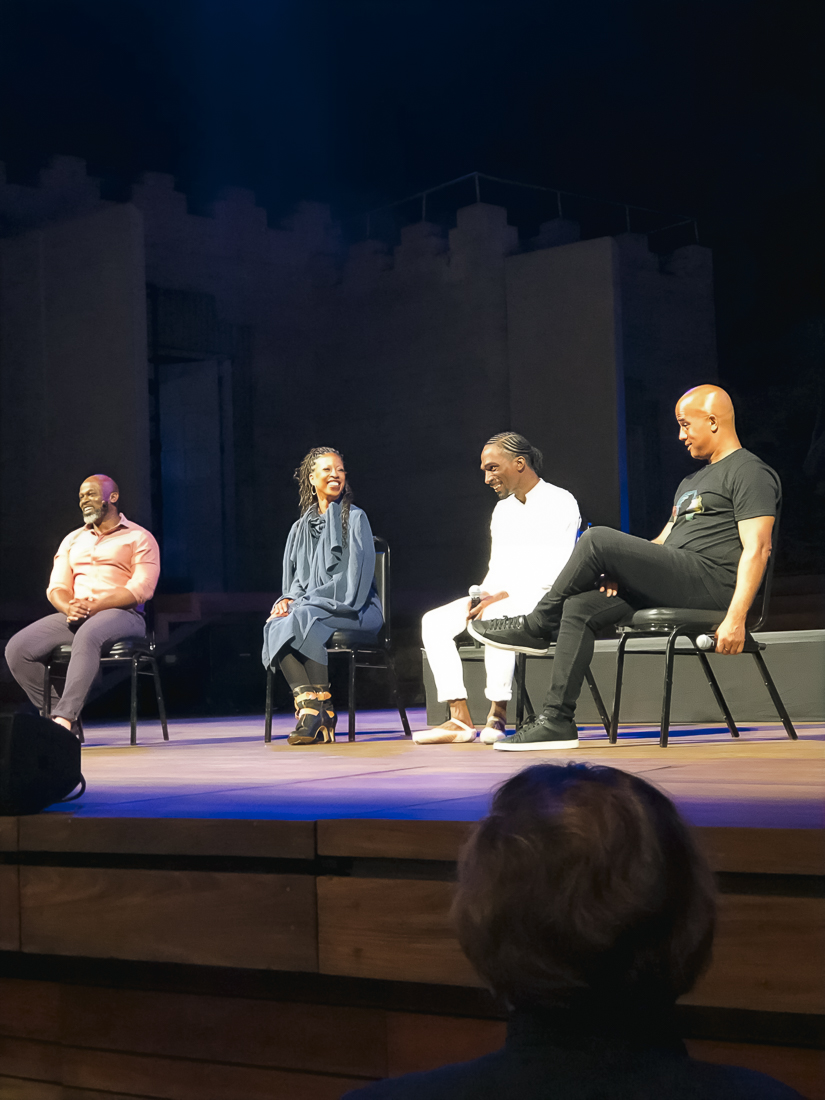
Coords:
78,610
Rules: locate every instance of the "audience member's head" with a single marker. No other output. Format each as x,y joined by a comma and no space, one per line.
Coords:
583,888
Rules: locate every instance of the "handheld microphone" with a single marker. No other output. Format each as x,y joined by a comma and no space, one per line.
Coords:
706,641
475,595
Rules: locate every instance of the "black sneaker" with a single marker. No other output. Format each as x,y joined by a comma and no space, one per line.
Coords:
540,734
508,633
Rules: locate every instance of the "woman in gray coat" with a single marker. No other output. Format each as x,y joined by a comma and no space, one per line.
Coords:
328,585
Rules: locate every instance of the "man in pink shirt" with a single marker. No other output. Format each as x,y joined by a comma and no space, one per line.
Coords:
103,574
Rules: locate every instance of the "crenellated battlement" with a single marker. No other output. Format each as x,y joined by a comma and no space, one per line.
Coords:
231,249
64,190
421,344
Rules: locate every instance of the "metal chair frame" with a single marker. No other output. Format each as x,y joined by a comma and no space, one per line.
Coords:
523,699
675,630
524,705
339,643
62,654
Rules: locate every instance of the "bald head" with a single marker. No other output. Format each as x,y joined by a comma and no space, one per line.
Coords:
708,399
98,499
107,484
706,423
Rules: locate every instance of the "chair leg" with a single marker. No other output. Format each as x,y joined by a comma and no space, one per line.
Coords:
529,711
396,694
159,696
268,708
133,706
351,728
521,672
670,657
781,710
717,692
613,734
597,699
47,690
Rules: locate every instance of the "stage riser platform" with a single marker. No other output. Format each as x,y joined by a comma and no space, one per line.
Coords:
392,929
795,659
341,900
85,1041
217,917
90,888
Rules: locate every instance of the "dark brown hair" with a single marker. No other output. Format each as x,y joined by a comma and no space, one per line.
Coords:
584,886
306,495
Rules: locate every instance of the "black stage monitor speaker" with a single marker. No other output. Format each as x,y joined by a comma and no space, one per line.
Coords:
39,764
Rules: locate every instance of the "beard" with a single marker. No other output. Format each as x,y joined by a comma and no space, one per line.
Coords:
96,515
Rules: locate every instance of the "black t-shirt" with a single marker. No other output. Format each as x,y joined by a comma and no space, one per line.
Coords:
709,504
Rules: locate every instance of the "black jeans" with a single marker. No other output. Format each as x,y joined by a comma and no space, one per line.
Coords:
648,575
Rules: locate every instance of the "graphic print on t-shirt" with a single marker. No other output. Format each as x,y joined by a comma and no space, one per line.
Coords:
688,505
710,504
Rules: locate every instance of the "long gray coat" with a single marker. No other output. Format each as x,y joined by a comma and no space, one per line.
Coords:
332,585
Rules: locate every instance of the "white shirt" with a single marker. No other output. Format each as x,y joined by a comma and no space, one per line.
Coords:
531,542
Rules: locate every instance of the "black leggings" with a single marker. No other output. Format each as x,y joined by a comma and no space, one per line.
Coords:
300,671
648,575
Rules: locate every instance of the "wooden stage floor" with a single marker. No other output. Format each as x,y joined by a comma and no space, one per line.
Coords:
221,768
148,950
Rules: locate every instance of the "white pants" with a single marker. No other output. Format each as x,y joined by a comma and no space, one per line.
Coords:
438,629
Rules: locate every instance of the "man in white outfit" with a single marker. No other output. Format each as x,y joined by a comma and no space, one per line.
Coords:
533,531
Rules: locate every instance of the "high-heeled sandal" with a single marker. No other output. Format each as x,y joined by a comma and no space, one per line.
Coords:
316,724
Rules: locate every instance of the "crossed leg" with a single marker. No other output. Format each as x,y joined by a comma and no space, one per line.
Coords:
648,575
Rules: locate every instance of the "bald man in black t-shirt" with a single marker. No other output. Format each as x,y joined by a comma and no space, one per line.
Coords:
711,553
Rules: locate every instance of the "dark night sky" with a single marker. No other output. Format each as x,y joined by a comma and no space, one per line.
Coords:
712,108
715,108
688,105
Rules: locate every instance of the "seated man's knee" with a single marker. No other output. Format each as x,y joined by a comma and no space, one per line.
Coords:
428,621
12,650
440,618
17,649
595,537
433,626
581,607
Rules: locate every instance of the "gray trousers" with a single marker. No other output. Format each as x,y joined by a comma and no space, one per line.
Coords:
27,651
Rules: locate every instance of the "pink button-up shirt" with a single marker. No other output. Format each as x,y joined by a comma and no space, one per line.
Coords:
92,564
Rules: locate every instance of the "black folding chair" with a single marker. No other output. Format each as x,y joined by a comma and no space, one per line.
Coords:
680,622
361,654
139,651
523,703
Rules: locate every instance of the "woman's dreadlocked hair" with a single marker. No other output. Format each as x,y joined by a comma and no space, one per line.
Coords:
306,493
518,446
